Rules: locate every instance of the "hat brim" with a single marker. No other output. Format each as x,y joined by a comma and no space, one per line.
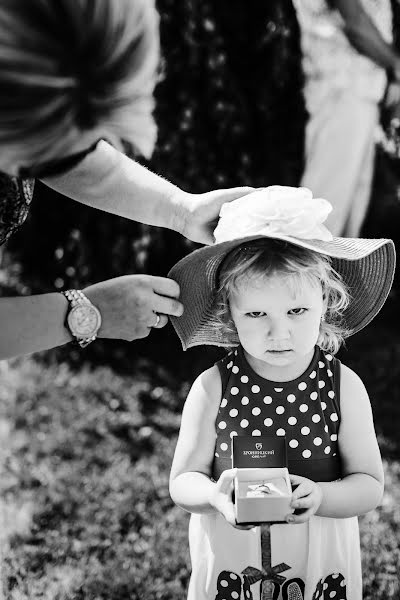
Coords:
366,266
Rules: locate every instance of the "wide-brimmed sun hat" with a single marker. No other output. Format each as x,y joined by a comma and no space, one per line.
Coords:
293,215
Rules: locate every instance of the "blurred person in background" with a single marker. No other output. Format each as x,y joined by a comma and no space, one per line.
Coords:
77,80
348,60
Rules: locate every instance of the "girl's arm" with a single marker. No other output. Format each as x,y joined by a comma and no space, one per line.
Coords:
110,181
361,488
363,34
191,487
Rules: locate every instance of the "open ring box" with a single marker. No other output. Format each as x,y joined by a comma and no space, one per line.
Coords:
262,488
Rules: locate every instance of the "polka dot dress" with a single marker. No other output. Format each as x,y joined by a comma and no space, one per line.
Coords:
319,559
305,411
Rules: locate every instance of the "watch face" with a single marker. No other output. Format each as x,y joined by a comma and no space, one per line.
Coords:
84,320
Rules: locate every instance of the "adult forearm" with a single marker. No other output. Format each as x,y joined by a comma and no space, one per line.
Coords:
352,496
192,491
112,182
363,34
31,324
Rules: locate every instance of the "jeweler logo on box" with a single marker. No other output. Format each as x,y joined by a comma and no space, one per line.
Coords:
258,452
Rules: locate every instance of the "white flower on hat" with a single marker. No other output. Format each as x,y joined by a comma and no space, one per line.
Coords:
275,211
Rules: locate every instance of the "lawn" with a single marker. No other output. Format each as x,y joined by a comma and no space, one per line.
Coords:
86,456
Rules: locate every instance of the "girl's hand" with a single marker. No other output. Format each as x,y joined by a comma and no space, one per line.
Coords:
221,498
307,497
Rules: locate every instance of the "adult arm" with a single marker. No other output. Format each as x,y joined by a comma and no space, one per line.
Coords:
363,34
127,304
110,181
361,487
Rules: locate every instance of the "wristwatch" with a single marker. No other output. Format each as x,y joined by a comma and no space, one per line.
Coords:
83,318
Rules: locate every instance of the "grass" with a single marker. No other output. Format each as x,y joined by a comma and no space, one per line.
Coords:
86,457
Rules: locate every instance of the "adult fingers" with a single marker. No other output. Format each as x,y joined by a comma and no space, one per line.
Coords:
160,321
166,306
164,286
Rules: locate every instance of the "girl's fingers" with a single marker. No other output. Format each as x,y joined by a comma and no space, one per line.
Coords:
295,519
225,481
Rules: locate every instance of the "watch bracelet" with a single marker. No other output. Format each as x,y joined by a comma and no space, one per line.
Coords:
74,297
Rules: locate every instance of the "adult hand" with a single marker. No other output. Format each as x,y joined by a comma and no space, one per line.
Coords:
129,305
392,97
307,497
222,498
199,213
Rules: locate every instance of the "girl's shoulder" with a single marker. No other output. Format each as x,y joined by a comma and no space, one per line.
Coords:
352,390
207,386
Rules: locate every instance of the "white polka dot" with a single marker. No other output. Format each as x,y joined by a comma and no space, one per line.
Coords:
305,430
333,437
328,357
234,391
245,400
325,586
332,594
244,379
335,575
291,398
306,453
224,583
244,423
314,395
233,433
293,443
268,422
321,384
255,389
331,394
313,375
292,420
326,428
222,425
316,418
235,595
233,412
256,432
228,366
303,408
342,583
235,369
323,405
233,575
317,441
280,410
224,402
281,432
330,373
224,447
321,364
267,399
302,386
334,417
327,450
216,455
278,389
256,411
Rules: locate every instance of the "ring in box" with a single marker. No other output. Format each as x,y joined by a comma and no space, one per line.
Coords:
262,486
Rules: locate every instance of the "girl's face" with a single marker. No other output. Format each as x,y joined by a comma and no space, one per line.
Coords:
278,324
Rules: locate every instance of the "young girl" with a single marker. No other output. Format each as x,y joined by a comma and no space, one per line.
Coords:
284,294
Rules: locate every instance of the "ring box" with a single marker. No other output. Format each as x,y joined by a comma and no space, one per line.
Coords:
262,486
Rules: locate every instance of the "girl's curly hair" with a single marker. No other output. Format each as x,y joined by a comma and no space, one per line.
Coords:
267,257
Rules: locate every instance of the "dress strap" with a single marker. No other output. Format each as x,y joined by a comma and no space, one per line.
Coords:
336,384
